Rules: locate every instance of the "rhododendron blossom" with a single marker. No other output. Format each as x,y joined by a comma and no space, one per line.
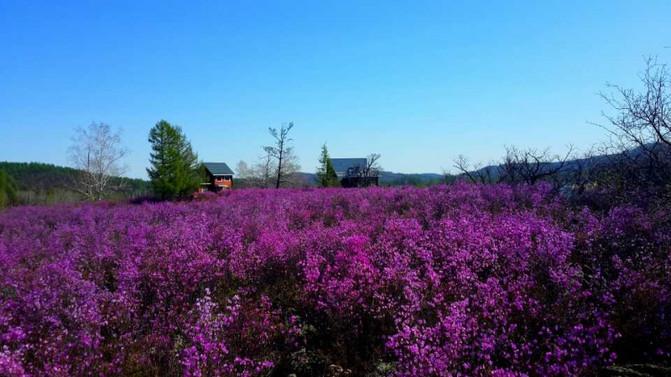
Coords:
459,280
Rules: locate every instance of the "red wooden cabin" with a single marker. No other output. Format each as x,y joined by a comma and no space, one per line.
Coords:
220,177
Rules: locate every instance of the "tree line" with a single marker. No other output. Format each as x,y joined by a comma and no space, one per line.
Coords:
635,160
175,172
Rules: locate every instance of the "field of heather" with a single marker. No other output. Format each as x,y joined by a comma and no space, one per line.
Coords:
460,280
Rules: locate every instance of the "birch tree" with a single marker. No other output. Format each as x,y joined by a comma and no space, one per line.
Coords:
97,153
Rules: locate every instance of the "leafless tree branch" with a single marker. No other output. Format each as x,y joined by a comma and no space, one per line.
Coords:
97,153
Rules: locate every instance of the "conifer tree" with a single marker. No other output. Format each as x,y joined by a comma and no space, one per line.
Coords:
326,174
174,165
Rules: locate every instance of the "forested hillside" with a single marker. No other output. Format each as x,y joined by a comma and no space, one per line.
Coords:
40,183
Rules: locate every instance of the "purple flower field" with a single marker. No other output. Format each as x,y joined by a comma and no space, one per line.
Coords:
459,280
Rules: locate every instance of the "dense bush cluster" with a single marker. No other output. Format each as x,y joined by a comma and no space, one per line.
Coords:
461,280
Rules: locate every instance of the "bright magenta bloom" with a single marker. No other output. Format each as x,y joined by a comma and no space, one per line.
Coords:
460,280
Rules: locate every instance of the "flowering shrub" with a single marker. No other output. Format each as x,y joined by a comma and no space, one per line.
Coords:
460,280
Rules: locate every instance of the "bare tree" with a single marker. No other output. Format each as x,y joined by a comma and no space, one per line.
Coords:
373,167
97,152
243,170
584,171
642,118
640,129
265,170
247,175
531,165
464,168
475,173
527,166
286,162
262,173
250,175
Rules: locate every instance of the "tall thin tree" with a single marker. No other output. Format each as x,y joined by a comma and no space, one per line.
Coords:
97,153
326,174
282,153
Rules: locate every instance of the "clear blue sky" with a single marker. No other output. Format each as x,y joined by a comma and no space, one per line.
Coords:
419,82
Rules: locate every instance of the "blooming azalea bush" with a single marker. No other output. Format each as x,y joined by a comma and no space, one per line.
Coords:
460,280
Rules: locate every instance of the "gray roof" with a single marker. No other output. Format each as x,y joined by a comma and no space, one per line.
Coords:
218,168
342,165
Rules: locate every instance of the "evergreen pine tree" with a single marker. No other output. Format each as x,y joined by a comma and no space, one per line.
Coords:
326,174
174,165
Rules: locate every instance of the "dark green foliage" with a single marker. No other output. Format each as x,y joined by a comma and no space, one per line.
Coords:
39,183
174,171
38,176
7,190
203,175
326,175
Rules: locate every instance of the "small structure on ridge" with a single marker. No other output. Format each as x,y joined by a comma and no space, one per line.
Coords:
355,172
219,177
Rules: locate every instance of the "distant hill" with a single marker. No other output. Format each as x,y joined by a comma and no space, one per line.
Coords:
41,183
387,178
494,171
595,161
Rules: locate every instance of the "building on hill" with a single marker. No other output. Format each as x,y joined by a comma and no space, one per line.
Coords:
355,172
219,177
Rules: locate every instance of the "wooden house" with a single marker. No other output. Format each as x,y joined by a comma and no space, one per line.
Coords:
354,172
219,177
